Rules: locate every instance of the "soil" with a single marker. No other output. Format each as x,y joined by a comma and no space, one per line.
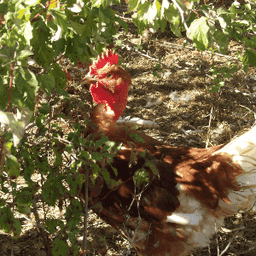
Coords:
171,86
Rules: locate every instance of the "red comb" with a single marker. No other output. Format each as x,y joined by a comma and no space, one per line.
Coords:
107,57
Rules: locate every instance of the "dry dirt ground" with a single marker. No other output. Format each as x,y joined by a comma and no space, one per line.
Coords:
170,86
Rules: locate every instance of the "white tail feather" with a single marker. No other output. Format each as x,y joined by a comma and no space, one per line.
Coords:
185,218
243,152
137,121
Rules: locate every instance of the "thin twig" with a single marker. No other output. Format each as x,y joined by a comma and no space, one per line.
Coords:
217,241
13,213
210,121
240,226
10,87
209,250
132,240
40,229
62,55
38,14
86,210
2,155
249,110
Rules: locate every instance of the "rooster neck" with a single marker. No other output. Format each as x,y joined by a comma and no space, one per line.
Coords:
104,118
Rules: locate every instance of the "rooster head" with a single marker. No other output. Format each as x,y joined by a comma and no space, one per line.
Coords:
110,83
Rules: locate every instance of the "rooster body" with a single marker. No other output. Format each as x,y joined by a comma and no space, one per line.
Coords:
188,194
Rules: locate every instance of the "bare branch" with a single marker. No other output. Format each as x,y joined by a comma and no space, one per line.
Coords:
181,15
86,209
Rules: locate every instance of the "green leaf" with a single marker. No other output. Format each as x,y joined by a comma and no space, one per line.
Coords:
99,3
59,75
106,175
108,146
59,46
58,158
156,74
60,19
8,222
249,57
44,53
162,24
95,169
24,54
74,182
86,155
151,166
173,17
26,88
132,4
62,92
165,5
199,33
4,220
13,166
96,156
24,196
136,137
114,170
78,28
3,8
44,109
60,248
2,203
214,88
3,94
107,155
47,82
245,68
141,176
21,13
151,14
101,141
23,208
52,224
53,187
6,55
222,40
158,5
144,9
122,23
143,153
250,42
16,124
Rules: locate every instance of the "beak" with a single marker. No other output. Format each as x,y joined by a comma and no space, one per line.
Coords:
87,80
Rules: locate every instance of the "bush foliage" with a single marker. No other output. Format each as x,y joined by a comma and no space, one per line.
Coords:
35,145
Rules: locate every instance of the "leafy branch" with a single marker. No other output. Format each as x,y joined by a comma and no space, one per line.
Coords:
43,126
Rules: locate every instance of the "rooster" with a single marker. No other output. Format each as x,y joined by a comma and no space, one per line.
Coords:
187,192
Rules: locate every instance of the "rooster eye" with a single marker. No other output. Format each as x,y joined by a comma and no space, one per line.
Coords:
109,75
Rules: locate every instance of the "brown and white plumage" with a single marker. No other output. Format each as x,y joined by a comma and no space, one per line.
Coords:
190,191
